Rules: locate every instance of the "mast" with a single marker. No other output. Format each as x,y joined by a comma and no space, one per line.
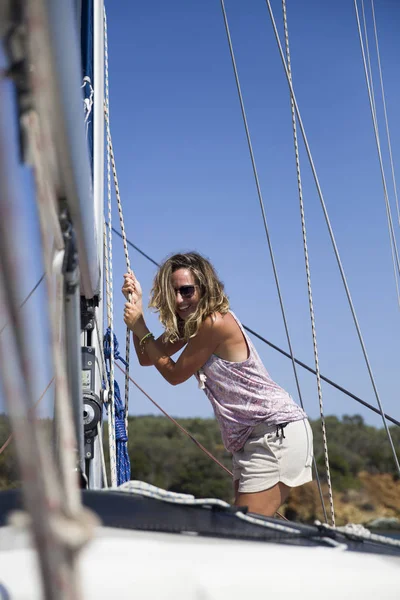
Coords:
91,18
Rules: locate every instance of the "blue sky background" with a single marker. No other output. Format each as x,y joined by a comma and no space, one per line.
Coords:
187,183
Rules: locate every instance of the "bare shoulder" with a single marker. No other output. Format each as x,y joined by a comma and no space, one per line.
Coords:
219,324
231,343
222,334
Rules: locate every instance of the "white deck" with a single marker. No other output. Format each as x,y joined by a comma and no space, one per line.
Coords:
149,566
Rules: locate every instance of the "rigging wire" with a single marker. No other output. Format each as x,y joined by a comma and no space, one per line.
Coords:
392,237
385,110
368,75
326,379
371,79
308,276
393,247
259,193
332,237
266,228
292,357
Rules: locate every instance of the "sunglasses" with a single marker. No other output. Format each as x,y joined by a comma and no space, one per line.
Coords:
186,291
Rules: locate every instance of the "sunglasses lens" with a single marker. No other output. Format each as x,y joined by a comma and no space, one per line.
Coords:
187,291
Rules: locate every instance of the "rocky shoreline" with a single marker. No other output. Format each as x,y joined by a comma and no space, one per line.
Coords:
374,503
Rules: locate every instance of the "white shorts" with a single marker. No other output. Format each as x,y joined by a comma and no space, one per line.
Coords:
272,454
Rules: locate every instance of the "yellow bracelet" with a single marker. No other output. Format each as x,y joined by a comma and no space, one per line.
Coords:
149,336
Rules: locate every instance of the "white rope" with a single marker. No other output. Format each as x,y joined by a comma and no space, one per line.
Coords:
264,217
111,397
308,274
108,264
331,234
392,237
121,216
385,111
355,530
147,490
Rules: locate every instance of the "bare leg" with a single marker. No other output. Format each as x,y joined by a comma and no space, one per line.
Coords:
264,503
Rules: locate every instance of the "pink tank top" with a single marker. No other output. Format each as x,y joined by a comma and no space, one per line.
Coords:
243,395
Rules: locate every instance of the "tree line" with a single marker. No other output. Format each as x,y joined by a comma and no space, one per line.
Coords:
162,455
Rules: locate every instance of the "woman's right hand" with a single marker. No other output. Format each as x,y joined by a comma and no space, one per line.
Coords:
132,286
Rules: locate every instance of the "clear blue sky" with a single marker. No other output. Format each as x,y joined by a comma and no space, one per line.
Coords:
186,180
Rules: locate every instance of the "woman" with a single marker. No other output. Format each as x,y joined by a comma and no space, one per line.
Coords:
266,431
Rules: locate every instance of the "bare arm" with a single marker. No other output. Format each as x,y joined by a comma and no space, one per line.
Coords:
165,348
196,353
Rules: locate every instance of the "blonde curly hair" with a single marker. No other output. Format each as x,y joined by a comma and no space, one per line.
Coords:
163,298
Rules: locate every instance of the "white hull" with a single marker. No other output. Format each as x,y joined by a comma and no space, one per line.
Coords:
149,566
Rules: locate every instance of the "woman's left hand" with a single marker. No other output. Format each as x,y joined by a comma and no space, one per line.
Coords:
133,311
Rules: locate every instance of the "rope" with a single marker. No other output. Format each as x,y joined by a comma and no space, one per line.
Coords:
360,533
385,111
140,488
109,282
264,217
111,381
111,353
392,237
331,234
119,205
309,288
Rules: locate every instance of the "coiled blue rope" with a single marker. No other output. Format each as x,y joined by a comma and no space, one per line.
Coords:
121,437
